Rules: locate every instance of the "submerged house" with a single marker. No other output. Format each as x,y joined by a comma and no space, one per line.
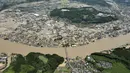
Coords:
3,59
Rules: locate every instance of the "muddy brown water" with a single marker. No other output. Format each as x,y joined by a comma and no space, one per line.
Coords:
82,51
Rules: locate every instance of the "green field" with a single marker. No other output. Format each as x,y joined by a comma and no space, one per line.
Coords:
9,70
63,70
119,58
44,59
102,58
117,68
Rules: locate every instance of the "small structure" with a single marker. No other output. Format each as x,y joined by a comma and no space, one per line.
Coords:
63,10
3,59
35,14
100,14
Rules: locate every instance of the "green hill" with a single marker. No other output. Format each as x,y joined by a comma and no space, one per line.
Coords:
119,58
83,15
34,63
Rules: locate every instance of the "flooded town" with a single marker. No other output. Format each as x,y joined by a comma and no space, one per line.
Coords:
64,36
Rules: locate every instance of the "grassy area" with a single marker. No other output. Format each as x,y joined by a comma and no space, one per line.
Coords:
117,68
44,59
102,58
9,70
119,58
63,70
26,68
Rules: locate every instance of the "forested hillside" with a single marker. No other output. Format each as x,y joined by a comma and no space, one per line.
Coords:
34,63
83,15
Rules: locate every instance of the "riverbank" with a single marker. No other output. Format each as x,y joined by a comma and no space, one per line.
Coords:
82,51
